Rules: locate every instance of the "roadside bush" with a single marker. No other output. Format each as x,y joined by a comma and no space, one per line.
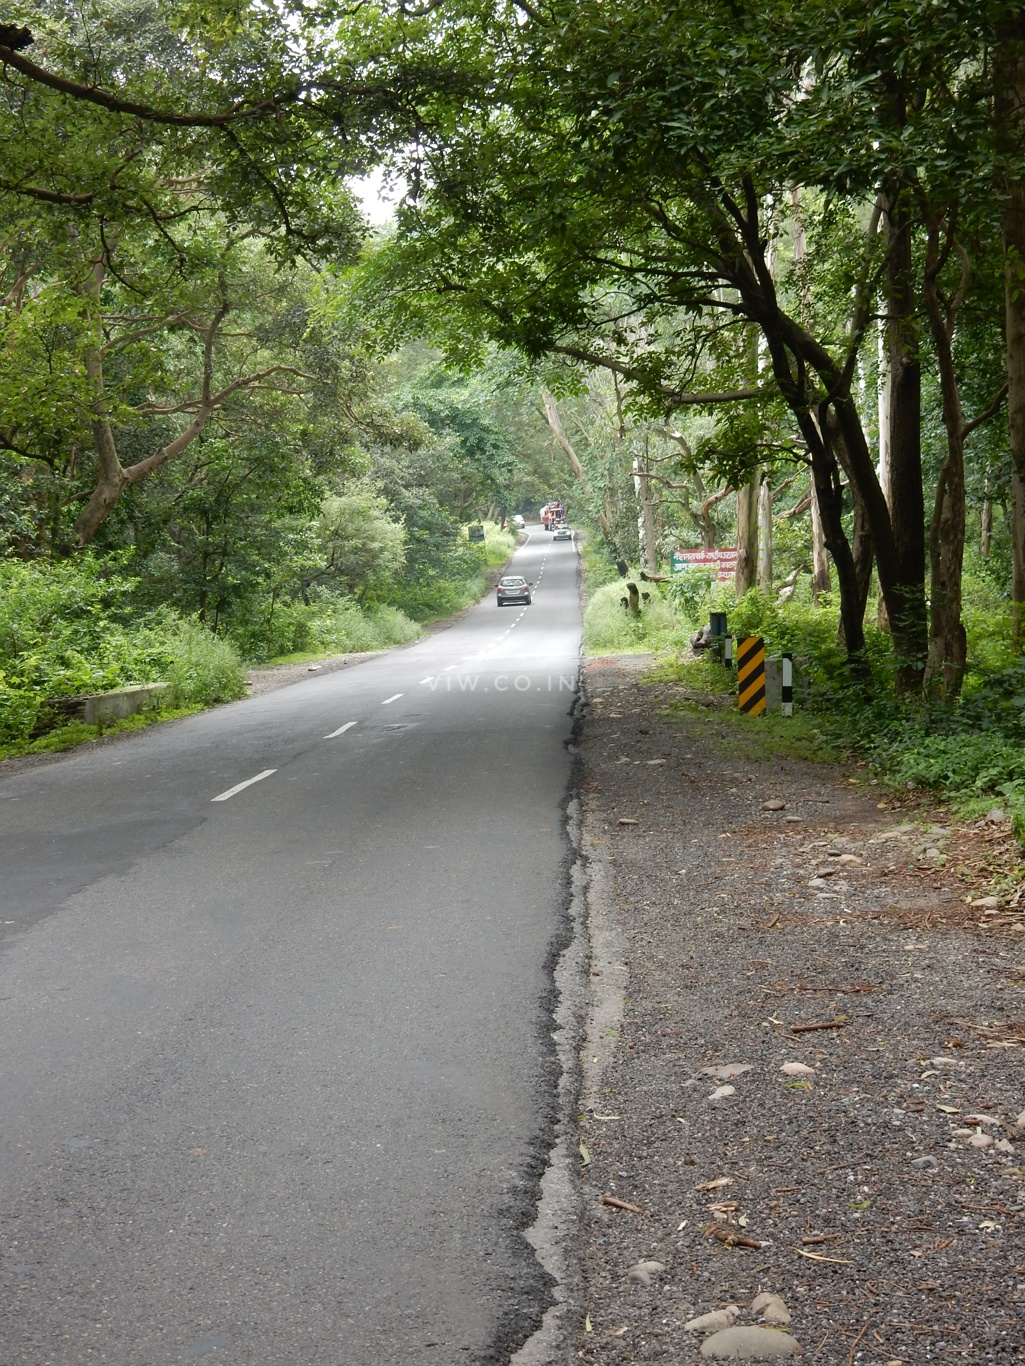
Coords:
352,628
610,629
203,668
498,545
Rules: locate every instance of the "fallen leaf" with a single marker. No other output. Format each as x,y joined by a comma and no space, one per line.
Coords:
587,1324
585,1156
714,1185
198,1152
726,1071
948,1109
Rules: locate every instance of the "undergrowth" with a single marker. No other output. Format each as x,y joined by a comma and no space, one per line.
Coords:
970,755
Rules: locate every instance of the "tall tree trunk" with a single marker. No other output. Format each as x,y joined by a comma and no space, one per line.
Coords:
747,535
904,445
820,580
948,645
883,465
801,363
1009,110
765,533
986,527
648,536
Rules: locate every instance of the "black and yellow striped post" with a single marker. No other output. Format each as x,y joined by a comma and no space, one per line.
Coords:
751,675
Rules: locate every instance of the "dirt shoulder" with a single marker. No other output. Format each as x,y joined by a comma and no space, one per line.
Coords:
806,1067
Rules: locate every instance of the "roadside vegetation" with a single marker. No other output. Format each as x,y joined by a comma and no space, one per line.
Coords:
970,755
237,425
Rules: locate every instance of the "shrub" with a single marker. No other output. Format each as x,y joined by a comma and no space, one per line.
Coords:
610,629
203,668
498,545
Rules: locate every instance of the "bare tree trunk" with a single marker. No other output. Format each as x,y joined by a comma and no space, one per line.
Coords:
765,533
1009,59
948,644
747,535
904,445
646,521
883,409
986,529
820,581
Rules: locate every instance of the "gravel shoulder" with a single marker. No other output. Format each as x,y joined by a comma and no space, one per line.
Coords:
805,1070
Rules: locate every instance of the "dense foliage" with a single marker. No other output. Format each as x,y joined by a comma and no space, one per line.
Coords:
718,275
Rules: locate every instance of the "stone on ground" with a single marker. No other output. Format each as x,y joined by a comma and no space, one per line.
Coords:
749,1344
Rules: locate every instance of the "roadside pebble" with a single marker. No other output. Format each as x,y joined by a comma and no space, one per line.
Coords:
924,1164
749,1344
770,1308
713,1322
723,1092
774,805
642,1272
797,1069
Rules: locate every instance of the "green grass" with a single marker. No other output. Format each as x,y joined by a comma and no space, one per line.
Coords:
610,629
760,737
499,544
78,733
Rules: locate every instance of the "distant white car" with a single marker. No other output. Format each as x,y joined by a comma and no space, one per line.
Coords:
517,520
562,533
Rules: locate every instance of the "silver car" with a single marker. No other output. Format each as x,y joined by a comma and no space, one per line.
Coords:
513,588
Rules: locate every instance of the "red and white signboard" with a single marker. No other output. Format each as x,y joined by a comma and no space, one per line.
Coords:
721,563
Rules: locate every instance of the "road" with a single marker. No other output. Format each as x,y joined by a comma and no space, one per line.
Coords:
276,1071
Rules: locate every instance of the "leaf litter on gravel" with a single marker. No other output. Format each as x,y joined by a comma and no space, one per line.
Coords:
924,1256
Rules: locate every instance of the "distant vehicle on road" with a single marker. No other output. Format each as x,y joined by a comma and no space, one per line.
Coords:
562,533
552,515
512,588
518,520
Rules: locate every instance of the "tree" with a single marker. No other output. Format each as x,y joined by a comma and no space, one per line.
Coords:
650,156
363,546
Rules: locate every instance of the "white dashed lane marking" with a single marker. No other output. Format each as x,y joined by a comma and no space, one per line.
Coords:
394,698
223,796
341,730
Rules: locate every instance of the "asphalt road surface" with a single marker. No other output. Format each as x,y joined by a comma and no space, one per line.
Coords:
276,1071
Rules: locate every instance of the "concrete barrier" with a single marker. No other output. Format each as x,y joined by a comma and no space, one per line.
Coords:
100,708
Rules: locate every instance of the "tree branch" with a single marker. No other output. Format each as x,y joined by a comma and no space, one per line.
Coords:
106,100
677,396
